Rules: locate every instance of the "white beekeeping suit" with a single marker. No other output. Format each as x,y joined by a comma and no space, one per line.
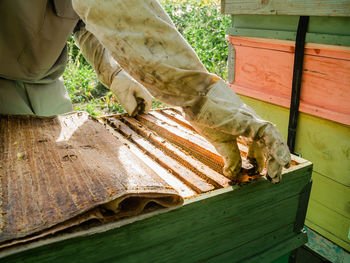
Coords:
131,94
33,47
142,38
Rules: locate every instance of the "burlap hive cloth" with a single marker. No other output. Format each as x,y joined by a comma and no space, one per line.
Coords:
57,172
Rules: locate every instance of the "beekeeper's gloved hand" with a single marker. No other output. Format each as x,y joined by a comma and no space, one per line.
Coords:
221,117
156,55
132,95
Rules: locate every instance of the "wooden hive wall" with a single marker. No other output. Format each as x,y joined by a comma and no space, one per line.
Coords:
261,55
263,69
322,30
253,222
285,7
327,145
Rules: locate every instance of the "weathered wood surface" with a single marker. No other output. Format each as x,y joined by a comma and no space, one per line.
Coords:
337,197
264,70
55,169
181,135
329,223
234,225
184,174
326,248
322,30
285,7
236,218
327,145
174,152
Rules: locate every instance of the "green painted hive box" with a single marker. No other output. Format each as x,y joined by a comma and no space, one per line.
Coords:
253,222
261,57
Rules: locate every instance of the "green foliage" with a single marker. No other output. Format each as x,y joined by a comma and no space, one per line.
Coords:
85,91
204,27
201,24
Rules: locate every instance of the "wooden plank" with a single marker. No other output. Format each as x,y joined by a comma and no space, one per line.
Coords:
227,220
193,145
272,22
337,197
339,117
187,176
325,143
328,39
329,223
185,159
323,30
326,248
182,128
267,239
179,186
178,118
162,115
303,174
317,24
330,236
264,71
231,63
283,7
261,33
315,49
190,141
153,246
168,117
281,248
285,35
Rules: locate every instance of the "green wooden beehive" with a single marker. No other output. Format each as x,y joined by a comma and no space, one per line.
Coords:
269,28
253,222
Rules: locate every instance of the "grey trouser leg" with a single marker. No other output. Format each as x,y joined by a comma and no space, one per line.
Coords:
30,98
13,98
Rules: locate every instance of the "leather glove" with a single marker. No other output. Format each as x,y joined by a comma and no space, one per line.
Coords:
220,116
132,95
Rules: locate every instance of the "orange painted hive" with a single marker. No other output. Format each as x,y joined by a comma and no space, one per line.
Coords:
264,70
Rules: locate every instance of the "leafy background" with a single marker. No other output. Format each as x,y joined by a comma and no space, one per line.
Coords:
201,24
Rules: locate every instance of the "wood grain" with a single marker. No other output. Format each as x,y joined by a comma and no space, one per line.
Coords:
327,145
327,222
54,169
187,176
337,197
284,7
263,70
241,224
179,155
236,218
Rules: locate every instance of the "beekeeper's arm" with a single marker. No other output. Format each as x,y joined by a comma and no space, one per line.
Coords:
131,94
142,38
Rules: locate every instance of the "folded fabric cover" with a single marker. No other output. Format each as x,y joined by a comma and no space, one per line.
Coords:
59,172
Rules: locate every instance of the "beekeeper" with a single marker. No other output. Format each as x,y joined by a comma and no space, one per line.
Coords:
128,42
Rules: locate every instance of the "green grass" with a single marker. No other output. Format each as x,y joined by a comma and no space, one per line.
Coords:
199,21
